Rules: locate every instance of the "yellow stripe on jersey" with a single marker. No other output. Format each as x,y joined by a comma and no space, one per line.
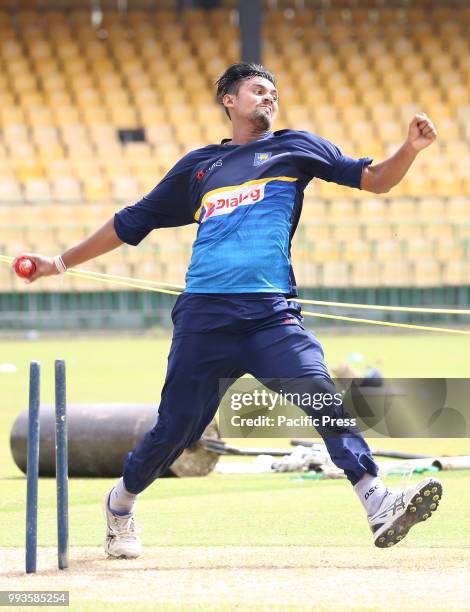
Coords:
287,179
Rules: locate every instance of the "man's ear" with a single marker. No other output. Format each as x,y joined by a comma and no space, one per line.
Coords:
228,100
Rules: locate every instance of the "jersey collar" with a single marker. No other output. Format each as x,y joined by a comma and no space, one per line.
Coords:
227,141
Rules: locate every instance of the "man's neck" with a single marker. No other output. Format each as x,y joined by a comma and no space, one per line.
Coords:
245,134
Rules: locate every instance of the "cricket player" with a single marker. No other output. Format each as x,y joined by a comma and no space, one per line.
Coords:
236,315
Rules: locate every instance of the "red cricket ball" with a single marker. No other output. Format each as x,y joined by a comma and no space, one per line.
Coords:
25,267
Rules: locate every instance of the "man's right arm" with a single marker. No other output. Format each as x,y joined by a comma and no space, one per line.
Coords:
168,205
101,242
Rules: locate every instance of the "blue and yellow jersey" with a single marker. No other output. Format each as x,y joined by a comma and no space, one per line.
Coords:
247,201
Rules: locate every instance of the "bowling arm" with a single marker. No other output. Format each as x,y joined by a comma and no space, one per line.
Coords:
99,243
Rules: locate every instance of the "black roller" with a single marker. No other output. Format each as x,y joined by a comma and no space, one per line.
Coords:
100,436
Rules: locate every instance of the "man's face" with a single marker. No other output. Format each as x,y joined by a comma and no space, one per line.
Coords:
256,101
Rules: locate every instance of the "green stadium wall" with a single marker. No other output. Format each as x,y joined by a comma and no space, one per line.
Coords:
138,310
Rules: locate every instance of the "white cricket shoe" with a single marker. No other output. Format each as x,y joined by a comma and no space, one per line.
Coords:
398,512
122,540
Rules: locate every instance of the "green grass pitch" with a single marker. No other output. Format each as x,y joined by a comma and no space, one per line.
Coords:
269,510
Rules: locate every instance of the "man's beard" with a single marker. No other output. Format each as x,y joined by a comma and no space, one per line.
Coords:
261,120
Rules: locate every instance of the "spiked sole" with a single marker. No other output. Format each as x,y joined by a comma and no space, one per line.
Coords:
420,507
118,557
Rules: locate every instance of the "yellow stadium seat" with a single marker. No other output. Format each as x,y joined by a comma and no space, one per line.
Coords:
152,113
10,191
371,210
125,189
442,15
29,169
67,236
407,231
438,230
418,249
75,137
396,273
57,98
40,51
465,185
314,209
356,250
96,115
356,116
138,151
306,273
180,113
137,82
8,281
458,47
455,273
15,133
325,251
66,189
13,239
377,231
40,115
416,185
448,184
457,95
343,96
144,95
458,209
7,167
402,209
68,50
96,189
400,96
25,83
113,165
66,114
332,190
159,134
388,249
372,98
37,190
115,96
346,232
335,274
431,209
427,273
365,274
411,64
439,62
448,250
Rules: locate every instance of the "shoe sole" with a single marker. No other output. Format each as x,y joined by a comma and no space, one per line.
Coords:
420,507
117,557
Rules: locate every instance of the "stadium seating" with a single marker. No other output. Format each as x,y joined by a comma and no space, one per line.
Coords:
354,75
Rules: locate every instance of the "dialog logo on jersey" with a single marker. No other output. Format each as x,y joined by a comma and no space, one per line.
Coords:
226,201
260,158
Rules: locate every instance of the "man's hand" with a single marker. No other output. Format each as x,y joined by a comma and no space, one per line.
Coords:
381,177
421,132
44,266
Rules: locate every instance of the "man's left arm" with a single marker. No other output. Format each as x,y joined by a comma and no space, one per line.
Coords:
380,178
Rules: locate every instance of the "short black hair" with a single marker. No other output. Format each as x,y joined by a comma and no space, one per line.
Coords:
230,81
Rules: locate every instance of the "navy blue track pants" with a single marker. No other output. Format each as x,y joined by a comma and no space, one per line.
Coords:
220,337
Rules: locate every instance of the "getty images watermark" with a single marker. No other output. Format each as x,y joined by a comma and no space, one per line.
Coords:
397,408
271,401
